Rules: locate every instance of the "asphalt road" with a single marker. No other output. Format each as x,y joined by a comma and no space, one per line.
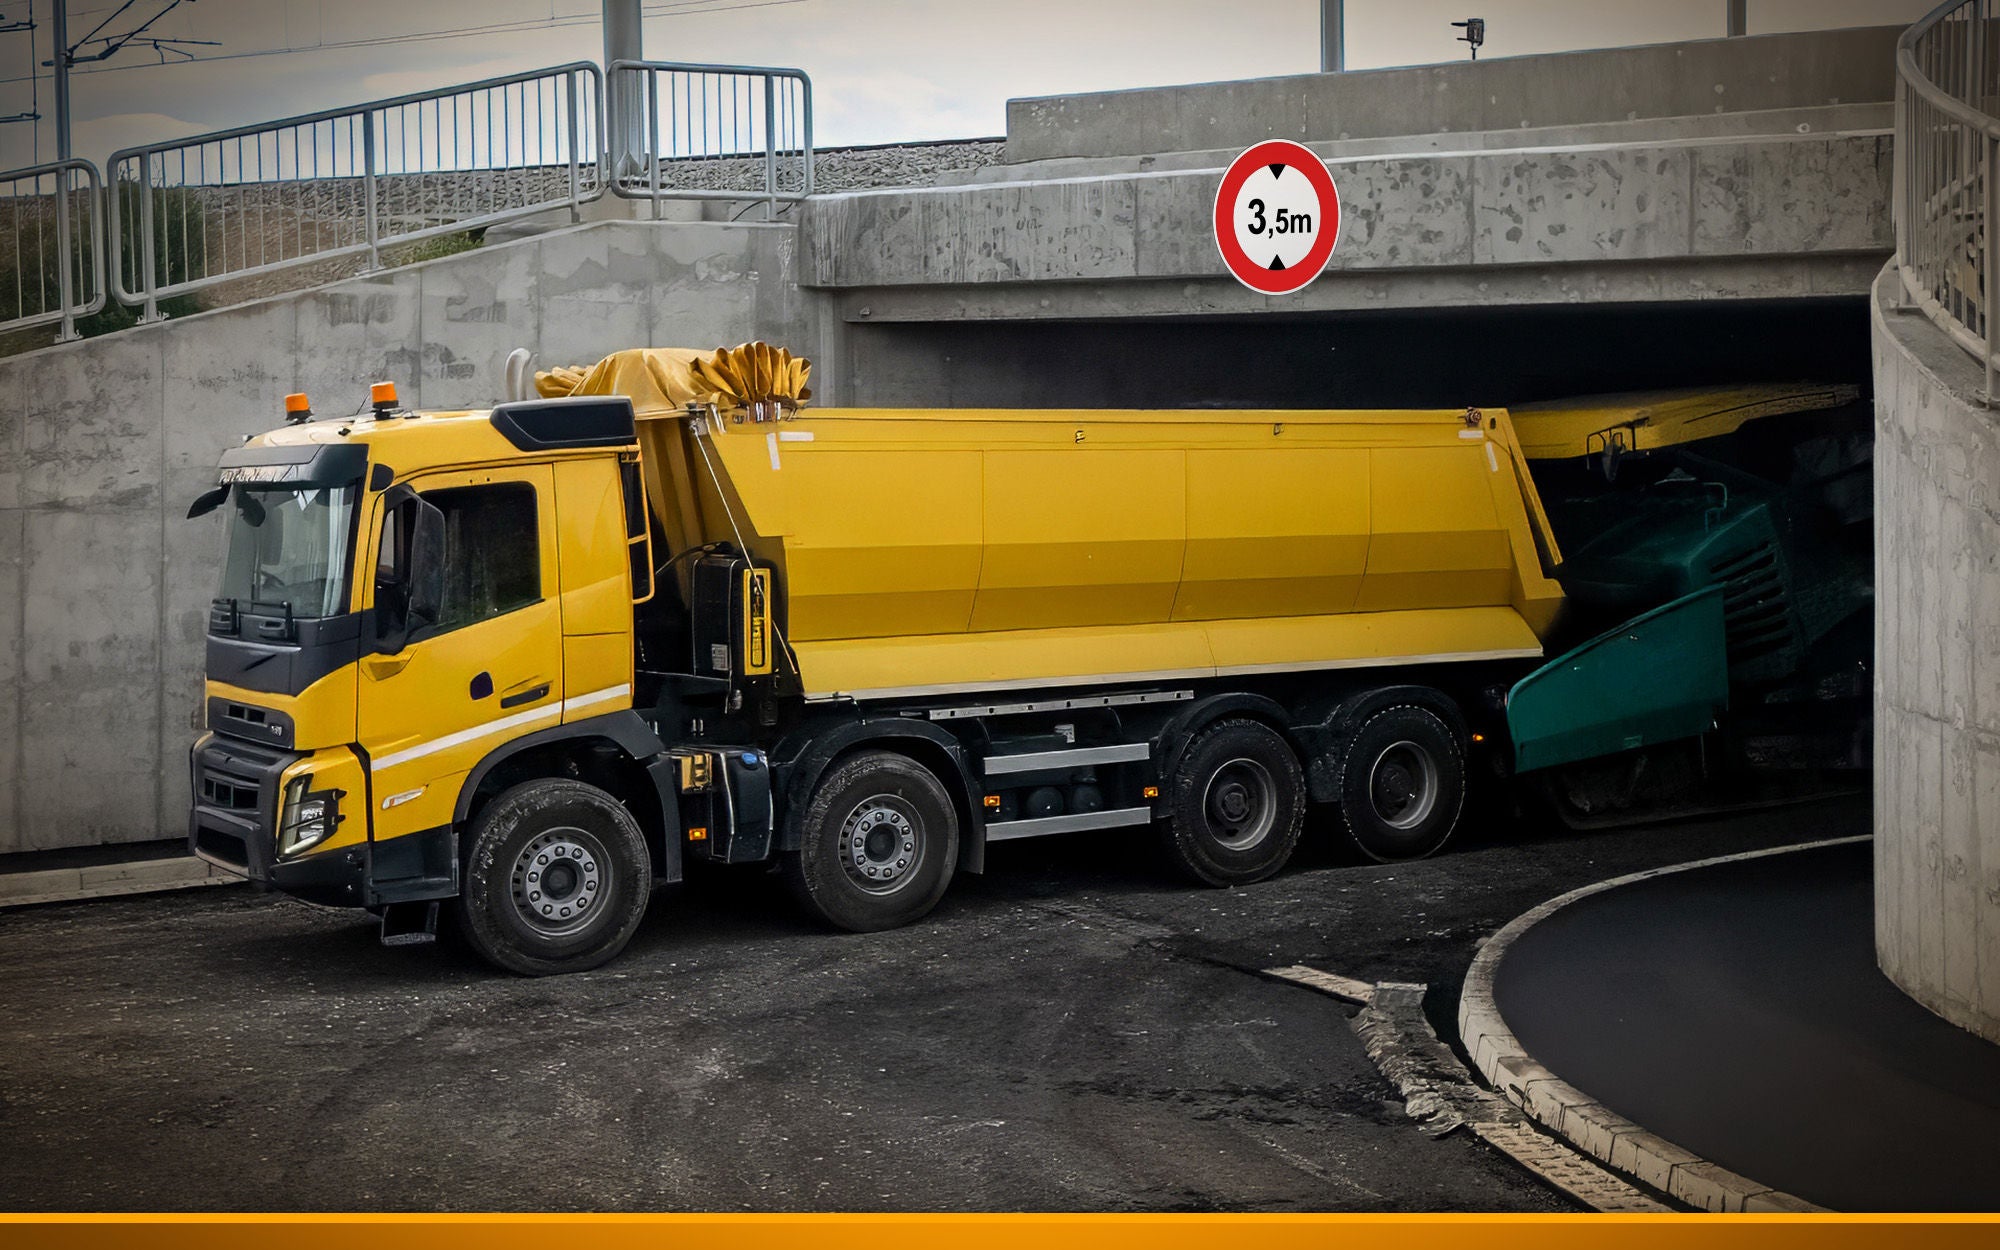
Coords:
1074,1030
1789,1058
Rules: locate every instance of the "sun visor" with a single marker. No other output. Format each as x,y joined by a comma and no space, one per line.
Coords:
296,465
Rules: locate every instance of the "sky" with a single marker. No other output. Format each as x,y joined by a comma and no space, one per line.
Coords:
882,70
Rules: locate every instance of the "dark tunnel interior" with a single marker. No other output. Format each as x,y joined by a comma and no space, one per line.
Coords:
1404,359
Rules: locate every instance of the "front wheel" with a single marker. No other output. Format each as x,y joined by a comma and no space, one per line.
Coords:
1402,784
1236,804
879,843
556,878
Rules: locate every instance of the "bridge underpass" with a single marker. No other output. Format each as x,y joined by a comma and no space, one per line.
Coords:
1055,277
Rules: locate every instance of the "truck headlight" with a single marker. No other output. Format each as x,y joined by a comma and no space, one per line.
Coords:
308,816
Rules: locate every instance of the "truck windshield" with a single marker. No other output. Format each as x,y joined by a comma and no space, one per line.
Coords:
288,548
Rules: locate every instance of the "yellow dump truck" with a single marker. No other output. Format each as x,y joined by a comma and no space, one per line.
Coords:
529,661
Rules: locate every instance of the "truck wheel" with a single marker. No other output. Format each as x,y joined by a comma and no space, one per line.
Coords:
1402,784
1236,804
556,878
879,842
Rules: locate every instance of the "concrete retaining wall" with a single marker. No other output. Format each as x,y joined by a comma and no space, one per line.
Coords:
104,586
1937,691
1768,217
1572,88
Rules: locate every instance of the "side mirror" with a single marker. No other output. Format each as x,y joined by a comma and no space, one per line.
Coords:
409,582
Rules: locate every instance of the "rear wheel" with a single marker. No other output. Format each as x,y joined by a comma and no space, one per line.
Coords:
879,843
1237,804
1402,783
556,878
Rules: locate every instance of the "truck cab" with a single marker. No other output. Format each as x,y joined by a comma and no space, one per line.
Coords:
407,603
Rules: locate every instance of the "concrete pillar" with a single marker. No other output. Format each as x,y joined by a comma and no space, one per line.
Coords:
624,122
1937,669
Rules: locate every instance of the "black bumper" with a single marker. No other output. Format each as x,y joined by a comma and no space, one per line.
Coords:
233,824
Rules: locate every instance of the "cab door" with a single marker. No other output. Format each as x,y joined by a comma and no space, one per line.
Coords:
489,669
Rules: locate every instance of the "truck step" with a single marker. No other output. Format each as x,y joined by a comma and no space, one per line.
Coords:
1072,823
410,924
1073,757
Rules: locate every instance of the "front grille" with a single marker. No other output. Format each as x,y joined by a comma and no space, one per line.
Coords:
222,847
229,793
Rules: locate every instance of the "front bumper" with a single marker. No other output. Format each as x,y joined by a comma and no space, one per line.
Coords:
233,825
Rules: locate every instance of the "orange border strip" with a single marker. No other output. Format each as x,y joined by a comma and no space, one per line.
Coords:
981,1232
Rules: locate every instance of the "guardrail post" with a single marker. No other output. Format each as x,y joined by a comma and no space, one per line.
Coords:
575,183
1988,254
806,129
147,260
65,285
369,224
653,136
770,147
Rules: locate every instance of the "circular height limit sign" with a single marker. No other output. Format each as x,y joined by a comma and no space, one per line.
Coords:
1276,217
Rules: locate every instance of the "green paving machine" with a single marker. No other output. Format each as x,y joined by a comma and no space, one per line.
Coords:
1718,563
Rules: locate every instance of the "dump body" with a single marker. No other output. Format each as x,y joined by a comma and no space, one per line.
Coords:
928,551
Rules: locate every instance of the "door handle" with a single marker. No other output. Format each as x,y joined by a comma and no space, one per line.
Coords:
525,692
383,666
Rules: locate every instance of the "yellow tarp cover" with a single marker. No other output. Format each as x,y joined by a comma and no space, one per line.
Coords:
660,380
1650,420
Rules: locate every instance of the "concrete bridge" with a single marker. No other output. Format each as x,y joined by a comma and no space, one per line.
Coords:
1516,228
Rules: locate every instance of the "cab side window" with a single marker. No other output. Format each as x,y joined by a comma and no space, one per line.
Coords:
492,551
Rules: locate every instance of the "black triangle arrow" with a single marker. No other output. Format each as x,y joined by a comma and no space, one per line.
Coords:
1277,263
1277,169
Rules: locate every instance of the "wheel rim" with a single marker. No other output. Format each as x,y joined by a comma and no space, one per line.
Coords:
882,843
1240,804
1403,785
560,880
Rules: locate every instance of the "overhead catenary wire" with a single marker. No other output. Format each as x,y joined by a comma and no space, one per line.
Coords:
668,8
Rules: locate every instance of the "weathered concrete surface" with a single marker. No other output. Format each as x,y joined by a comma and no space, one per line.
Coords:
1735,218
103,584
1069,1031
1937,651
1564,89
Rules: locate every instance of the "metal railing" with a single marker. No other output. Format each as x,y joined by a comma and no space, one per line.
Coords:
52,251
1947,148
716,132
233,204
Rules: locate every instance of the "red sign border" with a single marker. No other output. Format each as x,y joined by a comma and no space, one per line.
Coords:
1247,271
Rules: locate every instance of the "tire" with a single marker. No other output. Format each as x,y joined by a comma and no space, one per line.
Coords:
878,845
1236,804
1402,784
540,858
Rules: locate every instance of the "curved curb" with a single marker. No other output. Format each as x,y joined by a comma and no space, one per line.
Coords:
1588,1124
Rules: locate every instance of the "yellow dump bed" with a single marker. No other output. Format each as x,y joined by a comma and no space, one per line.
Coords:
923,551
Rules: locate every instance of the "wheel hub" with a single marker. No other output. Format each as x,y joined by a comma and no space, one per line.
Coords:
1403,785
880,843
558,879
1240,804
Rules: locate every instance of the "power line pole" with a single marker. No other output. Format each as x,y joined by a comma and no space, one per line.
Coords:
624,40
59,31
1332,36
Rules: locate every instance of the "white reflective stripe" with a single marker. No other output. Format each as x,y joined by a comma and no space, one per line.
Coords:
795,436
1234,670
596,697
464,736
1492,461
771,441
